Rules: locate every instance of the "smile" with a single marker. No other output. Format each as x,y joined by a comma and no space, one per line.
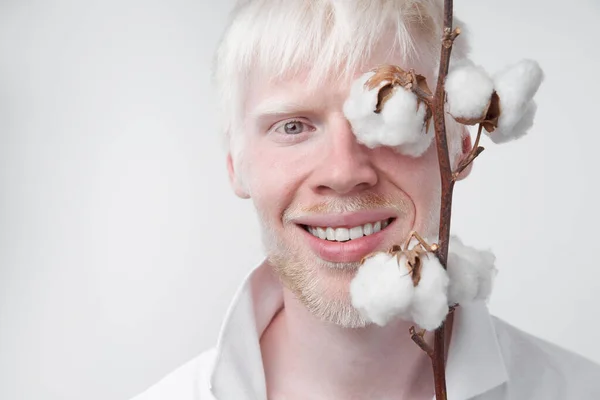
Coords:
347,237
345,234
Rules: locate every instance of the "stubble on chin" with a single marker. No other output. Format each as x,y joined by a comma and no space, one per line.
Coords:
317,284
321,286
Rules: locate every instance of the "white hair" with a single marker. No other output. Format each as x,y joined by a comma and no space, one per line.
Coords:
277,38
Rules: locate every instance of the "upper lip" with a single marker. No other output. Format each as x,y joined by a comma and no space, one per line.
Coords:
345,220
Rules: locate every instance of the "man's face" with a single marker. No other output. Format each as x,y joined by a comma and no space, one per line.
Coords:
309,178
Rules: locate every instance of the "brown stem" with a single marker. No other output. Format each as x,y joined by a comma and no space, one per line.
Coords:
447,183
476,145
418,338
475,151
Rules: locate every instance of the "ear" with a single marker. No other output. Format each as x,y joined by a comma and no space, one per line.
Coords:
237,187
466,149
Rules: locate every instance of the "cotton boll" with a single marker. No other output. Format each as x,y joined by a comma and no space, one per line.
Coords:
361,102
520,129
359,109
382,289
516,86
404,119
404,124
480,261
399,124
469,89
471,272
464,280
430,299
520,81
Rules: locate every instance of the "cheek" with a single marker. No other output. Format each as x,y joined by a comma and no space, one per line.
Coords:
419,177
273,177
428,178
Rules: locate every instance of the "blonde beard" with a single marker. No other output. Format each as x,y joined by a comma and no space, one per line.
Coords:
312,291
309,279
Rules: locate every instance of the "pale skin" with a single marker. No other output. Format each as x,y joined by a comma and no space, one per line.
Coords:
299,153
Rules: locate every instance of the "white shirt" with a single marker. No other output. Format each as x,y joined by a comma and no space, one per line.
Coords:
488,359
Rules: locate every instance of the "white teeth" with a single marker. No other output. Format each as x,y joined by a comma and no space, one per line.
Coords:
321,233
330,234
377,227
356,232
345,234
342,234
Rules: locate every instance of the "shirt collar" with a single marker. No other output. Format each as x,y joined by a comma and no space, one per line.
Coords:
238,371
475,363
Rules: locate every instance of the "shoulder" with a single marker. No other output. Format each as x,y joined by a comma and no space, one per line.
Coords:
540,369
187,382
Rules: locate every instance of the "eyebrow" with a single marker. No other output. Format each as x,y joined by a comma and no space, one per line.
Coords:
277,107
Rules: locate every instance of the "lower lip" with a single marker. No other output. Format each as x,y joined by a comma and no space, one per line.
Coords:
344,252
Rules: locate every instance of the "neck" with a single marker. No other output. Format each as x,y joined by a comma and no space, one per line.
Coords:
328,361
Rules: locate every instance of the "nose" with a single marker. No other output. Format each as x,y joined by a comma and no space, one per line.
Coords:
346,165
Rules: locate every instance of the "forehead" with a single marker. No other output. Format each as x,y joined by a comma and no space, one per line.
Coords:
293,91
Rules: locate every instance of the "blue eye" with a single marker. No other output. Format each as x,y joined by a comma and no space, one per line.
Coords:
292,128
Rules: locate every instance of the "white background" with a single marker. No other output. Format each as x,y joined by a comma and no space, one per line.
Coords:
121,243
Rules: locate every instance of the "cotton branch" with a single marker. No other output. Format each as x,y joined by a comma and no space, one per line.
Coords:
389,106
447,182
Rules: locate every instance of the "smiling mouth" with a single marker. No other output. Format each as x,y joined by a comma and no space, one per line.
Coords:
347,234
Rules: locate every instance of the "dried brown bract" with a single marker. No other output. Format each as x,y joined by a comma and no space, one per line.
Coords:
390,77
413,255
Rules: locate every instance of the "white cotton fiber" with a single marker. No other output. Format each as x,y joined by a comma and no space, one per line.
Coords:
361,102
516,85
359,109
382,289
430,300
469,89
403,124
520,129
519,82
471,273
400,124
419,146
402,119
